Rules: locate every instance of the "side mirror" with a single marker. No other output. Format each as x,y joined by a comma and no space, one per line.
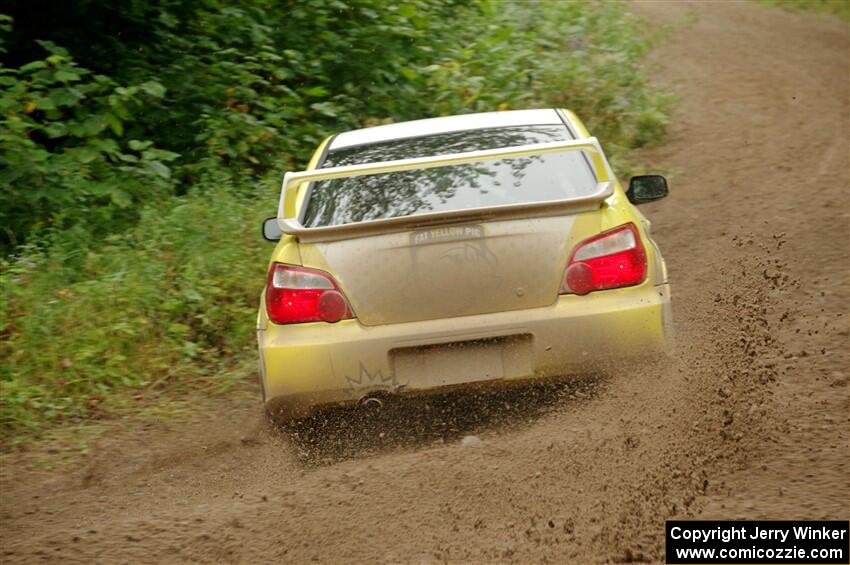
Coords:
271,229
646,188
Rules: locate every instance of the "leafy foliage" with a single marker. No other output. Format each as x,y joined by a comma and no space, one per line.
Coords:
135,167
65,156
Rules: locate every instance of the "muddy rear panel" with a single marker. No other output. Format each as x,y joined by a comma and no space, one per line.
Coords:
447,271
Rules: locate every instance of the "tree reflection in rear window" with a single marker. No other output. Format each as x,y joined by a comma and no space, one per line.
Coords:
517,180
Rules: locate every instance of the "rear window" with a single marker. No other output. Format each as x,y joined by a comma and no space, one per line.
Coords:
517,180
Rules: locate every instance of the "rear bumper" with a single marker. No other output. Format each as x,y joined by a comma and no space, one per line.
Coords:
306,365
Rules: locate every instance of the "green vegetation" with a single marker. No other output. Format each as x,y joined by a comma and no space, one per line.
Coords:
840,8
135,167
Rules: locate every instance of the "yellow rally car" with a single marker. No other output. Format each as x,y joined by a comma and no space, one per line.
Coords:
478,248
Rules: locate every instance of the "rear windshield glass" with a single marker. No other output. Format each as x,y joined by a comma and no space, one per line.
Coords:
538,178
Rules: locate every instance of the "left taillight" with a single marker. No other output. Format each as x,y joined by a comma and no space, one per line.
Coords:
297,294
612,259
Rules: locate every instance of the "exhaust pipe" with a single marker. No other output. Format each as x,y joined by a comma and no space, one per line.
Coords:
371,402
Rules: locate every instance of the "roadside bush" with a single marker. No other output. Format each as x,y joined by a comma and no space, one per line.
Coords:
65,157
133,185
558,54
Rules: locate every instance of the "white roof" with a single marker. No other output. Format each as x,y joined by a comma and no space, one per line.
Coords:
433,126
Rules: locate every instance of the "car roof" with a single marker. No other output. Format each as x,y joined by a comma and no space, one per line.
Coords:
432,126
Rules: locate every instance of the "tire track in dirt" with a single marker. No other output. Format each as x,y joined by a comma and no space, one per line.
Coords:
585,471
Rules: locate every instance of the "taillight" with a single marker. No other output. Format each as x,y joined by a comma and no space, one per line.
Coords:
612,259
298,294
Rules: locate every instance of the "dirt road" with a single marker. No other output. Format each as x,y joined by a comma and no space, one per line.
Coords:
750,419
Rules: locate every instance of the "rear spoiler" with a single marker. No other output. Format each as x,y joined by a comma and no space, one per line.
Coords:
292,180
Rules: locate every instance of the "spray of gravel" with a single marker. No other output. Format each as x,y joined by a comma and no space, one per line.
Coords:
721,378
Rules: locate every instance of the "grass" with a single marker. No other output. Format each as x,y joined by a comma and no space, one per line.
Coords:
838,8
168,304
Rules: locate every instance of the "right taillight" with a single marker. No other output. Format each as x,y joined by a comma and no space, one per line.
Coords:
297,294
612,259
